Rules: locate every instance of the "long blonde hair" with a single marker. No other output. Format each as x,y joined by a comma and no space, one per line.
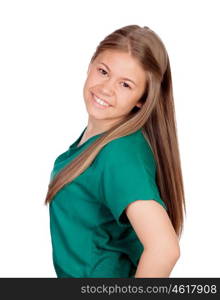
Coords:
156,117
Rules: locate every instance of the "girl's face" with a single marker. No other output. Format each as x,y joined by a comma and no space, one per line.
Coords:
116,79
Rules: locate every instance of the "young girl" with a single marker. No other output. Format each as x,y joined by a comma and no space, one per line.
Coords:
116,195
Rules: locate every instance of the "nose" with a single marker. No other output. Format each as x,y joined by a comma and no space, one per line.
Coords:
107,88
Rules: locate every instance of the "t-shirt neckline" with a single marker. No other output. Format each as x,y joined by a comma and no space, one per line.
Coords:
74,145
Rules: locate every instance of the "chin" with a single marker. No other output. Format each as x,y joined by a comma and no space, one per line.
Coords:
93,114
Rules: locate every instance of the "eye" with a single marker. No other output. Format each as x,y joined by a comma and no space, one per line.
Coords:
127,85
100,70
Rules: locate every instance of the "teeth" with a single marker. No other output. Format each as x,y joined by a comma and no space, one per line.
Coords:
100,101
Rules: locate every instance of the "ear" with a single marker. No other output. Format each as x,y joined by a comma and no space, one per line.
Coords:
139,104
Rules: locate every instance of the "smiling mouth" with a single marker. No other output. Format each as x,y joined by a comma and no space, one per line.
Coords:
100,101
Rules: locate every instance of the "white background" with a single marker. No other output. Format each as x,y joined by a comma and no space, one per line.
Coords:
45,48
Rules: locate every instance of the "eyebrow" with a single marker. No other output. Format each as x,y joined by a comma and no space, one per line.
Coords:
123,77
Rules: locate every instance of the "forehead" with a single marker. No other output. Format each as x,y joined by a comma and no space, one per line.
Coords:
121,63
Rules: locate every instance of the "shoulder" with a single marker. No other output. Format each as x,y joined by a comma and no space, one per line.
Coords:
133,147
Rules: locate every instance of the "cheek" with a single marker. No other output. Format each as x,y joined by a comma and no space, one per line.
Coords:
93,78
126,99
124,105
89,83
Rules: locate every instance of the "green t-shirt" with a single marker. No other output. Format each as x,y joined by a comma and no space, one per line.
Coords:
90,232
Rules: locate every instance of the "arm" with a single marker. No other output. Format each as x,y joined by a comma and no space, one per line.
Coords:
157,235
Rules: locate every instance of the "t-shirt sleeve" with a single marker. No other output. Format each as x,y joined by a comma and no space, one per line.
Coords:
128,175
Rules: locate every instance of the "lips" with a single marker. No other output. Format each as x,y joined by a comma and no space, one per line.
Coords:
101,99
